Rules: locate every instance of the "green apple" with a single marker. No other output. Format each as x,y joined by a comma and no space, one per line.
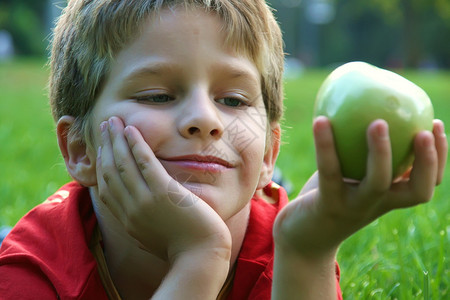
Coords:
354,95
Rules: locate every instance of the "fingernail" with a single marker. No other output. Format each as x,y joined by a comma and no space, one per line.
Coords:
111,123
320,124
99,152
427,142
126,132
440,129
382,131
103,126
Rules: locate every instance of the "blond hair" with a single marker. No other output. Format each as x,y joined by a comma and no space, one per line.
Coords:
90,33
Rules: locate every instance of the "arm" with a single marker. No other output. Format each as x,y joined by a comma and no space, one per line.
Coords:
329,209
168,220
198,275
305,277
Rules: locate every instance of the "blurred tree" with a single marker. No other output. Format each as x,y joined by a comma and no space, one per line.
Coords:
419,20
397,33
24,19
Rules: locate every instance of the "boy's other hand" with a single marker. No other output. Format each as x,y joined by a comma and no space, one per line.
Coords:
330,208
167,219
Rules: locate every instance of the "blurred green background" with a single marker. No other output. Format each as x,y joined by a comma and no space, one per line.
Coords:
392,33
403,255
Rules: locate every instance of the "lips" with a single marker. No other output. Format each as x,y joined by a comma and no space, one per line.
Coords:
199,162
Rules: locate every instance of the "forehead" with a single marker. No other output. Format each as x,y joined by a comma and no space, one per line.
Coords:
173,37
233,32
181,26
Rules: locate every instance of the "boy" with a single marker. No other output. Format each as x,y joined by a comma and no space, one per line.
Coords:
168,120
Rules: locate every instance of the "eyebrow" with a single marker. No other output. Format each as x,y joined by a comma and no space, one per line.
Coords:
157,69
150,70
233,72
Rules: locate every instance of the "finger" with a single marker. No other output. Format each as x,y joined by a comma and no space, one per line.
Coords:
379,162
424,172
125,164
162,185
441,145
420,187
149,166
311,184
105,179
330,177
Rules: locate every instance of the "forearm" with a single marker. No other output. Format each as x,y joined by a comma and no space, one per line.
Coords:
195,276
297,277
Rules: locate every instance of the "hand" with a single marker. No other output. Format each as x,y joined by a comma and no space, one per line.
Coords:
166,218
329,208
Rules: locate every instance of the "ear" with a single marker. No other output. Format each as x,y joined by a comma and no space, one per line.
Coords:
79,159
270,157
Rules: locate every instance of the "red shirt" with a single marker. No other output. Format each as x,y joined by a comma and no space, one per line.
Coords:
47,255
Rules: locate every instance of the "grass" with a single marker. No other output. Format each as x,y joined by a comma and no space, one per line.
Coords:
403,255
31,165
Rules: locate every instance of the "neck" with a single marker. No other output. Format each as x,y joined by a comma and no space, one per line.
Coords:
137,273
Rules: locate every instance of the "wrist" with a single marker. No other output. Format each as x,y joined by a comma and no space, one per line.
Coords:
195,275
306,257
310,237
217,247
305,246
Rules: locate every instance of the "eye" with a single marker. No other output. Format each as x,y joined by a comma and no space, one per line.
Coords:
158,98
232,102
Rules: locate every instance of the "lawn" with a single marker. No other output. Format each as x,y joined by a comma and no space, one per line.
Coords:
403,255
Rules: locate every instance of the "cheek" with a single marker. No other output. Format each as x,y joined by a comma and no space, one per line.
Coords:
154,127
252,148
247,135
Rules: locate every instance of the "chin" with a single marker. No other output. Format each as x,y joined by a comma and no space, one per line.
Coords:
225,202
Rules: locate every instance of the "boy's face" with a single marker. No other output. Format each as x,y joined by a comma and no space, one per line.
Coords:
198,105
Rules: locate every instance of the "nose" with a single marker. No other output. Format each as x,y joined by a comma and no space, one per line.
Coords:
200,117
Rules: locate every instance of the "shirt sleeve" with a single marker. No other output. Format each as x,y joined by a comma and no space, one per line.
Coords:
24,282
338,278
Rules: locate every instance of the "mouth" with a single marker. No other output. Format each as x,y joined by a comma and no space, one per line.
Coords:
199,162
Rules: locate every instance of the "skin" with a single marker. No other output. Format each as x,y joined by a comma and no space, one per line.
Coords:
182,246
